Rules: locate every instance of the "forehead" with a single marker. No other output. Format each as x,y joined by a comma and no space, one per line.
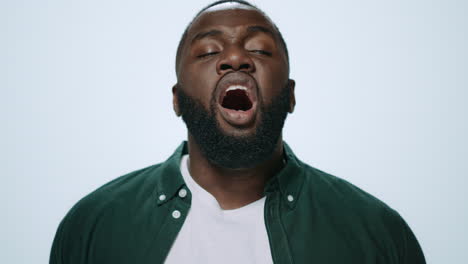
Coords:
229,18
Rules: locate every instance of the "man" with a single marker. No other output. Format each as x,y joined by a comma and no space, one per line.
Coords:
235,192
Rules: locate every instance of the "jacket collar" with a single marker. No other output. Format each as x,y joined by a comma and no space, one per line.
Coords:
288,181
170,180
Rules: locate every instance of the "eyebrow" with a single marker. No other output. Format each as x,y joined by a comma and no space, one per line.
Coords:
210,33
253,29
215,32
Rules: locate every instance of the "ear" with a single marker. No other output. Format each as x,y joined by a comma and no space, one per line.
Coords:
292,96
175,101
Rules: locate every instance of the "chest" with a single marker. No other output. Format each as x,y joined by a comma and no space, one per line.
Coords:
212,235
195,237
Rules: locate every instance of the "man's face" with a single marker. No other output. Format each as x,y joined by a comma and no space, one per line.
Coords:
234,68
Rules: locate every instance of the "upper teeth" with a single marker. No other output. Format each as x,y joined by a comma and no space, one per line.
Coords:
236,87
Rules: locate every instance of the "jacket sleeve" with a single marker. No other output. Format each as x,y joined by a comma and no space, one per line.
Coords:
57,245
412,252
69,245
409,250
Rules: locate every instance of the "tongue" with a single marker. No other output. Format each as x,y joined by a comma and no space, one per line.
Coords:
237,100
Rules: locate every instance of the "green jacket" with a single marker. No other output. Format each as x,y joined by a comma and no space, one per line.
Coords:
310,217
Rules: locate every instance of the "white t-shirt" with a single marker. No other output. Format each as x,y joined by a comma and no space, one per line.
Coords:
212,235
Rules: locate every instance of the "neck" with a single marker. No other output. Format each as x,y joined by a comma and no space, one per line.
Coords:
233,188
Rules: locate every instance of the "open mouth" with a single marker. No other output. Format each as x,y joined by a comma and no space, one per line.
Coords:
236,98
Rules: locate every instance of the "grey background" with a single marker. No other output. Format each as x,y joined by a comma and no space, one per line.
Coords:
381,102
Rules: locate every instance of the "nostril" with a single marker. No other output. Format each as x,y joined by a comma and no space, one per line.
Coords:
244,66
224,67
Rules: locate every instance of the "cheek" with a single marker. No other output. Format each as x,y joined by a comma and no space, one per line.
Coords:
198,81
271,79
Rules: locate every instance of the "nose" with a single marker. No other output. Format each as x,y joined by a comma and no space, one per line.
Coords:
235,59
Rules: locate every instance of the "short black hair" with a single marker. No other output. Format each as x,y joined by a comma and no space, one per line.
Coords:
184,35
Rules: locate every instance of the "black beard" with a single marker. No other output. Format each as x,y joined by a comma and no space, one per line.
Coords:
230,151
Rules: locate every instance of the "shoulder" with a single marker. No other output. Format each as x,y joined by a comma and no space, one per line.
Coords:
351,210
103,207
337,192
348,206
119,190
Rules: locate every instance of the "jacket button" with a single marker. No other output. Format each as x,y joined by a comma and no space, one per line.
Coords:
290,198
176,214
162,197
182,193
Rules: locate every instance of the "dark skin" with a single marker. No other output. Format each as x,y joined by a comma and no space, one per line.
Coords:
219,43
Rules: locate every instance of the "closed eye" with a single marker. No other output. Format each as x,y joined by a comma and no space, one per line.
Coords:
207,54
261,52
